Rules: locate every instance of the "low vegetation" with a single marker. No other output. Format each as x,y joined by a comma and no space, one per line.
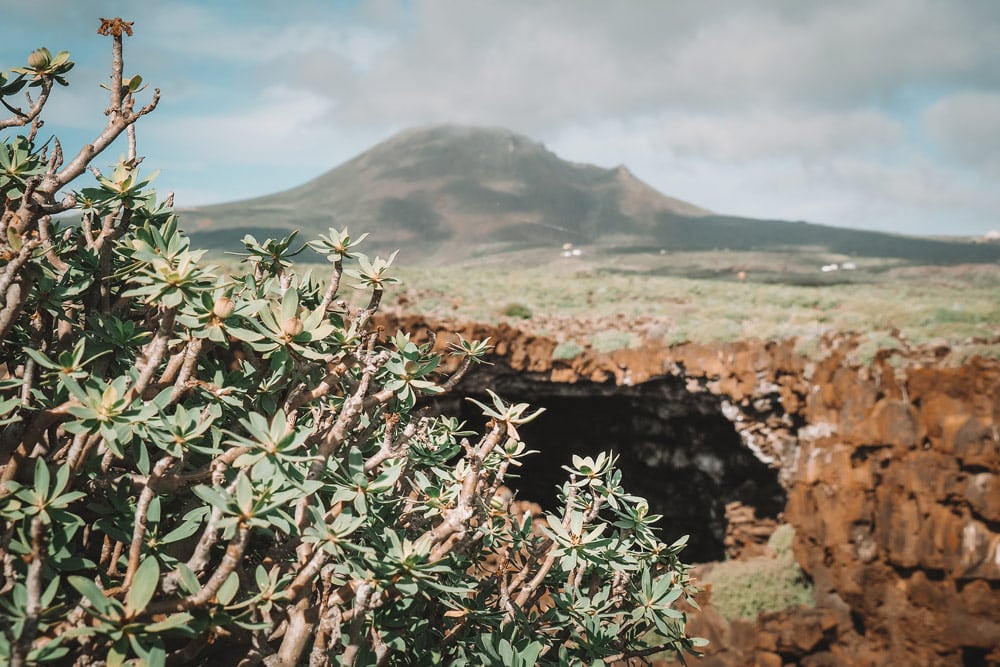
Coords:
575,299
201,465
517,311
747,588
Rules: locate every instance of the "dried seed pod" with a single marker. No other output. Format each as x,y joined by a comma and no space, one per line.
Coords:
39,59
292,327
223,307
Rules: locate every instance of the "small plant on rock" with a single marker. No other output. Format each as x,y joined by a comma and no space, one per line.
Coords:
747,588
567,350
517,311
201,466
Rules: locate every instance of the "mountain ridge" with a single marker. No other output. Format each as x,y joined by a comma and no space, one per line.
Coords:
446,193
455,187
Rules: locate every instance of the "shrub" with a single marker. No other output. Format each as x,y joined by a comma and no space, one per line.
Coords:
518,311
199,466
567,350
781,540
747,588
609,341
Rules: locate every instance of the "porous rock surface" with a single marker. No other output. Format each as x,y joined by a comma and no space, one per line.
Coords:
892,471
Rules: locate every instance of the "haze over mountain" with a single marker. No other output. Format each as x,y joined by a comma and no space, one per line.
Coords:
447,193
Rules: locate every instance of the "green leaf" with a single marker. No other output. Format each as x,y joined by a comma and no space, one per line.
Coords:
40,358
211,495
147,576
174,621
117,653
41,478
49,652
94,595
183,531
50,591
228,589
289,304
152,656
189,582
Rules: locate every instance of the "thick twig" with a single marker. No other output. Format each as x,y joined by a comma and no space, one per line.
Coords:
56,160
33,589
391,448
45,234
202,551
457,376
170,371
458,517
14,452
154,351
302,619
532,587
14,299
379,645
230,561
349,414
365,315
116,553
191,354
333,286
12,268
300,398
132,157
361,600
139,531
82,443
327,635
21,118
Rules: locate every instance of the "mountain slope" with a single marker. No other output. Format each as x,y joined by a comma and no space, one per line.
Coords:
448,193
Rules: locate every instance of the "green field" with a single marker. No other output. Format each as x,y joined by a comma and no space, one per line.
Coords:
604,302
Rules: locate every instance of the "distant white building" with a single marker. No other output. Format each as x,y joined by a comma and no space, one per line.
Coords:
569,251
992,235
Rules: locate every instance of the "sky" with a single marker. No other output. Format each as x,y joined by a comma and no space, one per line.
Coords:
875,114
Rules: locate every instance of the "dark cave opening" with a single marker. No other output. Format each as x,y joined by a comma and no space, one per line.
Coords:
675,448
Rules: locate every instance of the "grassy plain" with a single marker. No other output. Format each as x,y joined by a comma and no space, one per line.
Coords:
609,301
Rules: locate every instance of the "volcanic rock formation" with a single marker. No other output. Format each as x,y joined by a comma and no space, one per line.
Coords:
889,472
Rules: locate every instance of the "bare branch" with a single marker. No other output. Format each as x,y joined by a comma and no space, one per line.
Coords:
33,587
153,353
333,286
13,302
230,561
139,530
20,117
14,265
45,234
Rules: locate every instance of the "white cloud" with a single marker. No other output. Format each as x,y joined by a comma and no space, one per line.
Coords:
202,32
967,126
879,113
548,63
851,187
277,142
769,133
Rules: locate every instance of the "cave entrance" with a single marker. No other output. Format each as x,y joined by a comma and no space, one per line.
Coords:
675,448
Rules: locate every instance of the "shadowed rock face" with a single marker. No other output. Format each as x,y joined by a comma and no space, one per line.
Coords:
891,470
675,448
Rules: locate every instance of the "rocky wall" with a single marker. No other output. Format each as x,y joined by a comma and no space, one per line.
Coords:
892,472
